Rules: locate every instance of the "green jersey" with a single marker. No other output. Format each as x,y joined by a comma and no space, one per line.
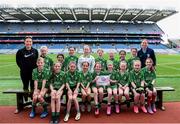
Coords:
69,59
130,62
40,76
112,74
94,74
103,63
136,77
123,78
48,62
149,76
85,78
73,78
57,80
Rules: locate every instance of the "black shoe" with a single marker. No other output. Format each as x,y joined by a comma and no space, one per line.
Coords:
56,121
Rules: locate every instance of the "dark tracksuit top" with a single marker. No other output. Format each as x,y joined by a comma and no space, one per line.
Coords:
26,61
148,54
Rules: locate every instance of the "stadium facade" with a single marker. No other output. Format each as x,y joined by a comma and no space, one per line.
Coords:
60,27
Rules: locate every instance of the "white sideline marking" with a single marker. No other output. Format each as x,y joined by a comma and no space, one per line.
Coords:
2,66
169,63
178,69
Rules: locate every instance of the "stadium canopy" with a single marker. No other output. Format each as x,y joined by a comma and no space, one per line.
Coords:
82,14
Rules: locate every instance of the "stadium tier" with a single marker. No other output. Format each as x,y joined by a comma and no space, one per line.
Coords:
58,28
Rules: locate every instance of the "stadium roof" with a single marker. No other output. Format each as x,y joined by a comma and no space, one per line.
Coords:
81,14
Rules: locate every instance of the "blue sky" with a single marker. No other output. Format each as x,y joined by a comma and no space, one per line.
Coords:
170,25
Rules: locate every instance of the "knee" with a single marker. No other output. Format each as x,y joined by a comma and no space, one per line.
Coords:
154,93
143,95
74,97
84,95
70,98
120,93
39,97
136,95
53,97
110,93
100,92
126,94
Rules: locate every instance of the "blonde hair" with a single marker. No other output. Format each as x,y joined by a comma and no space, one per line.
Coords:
123,62
136,61
40,59
42,47
100,50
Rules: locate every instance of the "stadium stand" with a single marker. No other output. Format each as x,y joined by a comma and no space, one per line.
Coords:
126,30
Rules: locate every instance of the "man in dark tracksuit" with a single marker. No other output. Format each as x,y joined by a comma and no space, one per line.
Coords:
145,53
26,60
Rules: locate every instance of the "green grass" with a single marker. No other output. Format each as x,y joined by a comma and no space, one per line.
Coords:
168,74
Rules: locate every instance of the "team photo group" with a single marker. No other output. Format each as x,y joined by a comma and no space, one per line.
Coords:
89,78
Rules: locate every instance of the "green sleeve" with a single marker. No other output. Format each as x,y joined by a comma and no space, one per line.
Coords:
143,76
51,62
79,78
131,79
34,75
154,74
128,80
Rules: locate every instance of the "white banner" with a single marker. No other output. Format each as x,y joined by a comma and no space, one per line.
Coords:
103,80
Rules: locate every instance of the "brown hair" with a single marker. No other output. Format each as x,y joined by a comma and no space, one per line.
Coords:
152,68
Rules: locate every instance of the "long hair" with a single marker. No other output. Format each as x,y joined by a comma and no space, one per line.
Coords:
152,67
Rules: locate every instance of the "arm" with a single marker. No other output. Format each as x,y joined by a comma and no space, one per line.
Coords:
142,83
51,87
153,58
35,85
61,88
43,84
19,59
67,86
77,86
82,85
154,81
113,81
133,85
96,78
88,85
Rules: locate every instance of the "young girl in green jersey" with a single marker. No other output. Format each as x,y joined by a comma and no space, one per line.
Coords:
98,91
137,83
60,59
70,58
150,79
112,88
56,85
86,79
100,59
123,82
72,85
40,76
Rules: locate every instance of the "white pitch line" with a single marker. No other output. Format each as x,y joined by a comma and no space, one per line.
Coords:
169,63
2,66
178,69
